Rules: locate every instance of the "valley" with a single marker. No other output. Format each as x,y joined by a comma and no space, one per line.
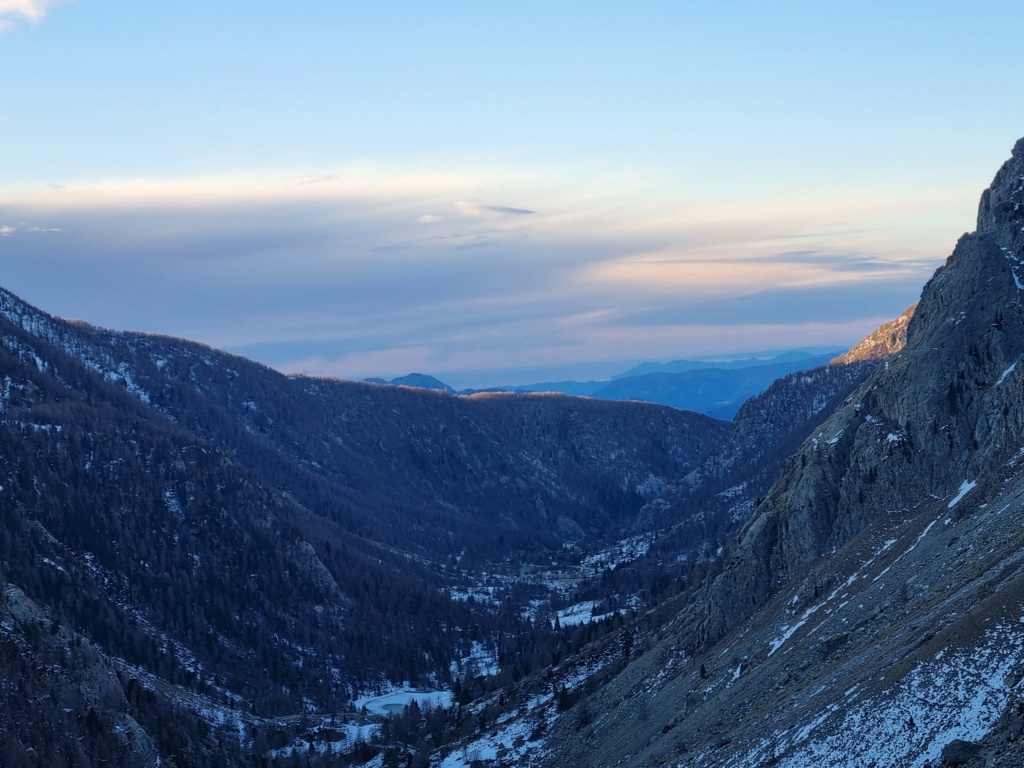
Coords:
189,513
204,562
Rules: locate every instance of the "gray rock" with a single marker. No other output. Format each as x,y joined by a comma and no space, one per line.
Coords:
944,411
959,752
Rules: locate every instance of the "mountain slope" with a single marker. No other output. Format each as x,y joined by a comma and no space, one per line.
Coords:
870,611
229,544
704,507
534,466
707,504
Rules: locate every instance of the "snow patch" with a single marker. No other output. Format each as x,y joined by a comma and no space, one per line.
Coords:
789,629
1006,373
965,488
580,613
959,696
511,743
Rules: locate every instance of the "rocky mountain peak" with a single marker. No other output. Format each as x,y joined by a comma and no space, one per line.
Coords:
1001,203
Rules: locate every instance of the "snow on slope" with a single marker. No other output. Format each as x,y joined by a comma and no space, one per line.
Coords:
955,696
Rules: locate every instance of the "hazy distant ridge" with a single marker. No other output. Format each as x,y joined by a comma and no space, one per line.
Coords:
716,388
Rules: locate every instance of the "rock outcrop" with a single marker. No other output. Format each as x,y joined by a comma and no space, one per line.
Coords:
706,506
940,414
882,343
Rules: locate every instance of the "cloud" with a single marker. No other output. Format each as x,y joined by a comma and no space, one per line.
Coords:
6,230
27,10
851,262
476,210
343,277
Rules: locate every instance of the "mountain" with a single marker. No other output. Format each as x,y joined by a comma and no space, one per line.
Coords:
193,545
889,339
715,388
707,504
870,610
718,392
577,388
421,380
683,366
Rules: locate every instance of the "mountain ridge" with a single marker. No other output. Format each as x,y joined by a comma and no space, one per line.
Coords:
219,525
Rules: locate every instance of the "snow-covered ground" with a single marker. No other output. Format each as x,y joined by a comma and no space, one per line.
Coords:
957,695
480,661
511,743
397,700
329,739
625,551
580,613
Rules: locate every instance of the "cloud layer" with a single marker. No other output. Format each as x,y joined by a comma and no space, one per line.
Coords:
359,273
12,11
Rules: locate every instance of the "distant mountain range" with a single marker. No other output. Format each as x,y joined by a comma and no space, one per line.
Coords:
716,388
801,356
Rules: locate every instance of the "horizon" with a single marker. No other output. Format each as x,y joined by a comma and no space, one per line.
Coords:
493,193
608,371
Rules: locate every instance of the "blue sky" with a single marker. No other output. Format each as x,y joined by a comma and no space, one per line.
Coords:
495,192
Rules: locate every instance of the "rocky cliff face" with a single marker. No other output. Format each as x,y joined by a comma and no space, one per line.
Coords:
882,343
943,412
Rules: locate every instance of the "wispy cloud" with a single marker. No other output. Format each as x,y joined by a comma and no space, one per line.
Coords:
476,210
6,230
12,11
365,273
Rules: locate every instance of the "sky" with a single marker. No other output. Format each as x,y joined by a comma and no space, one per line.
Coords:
495,193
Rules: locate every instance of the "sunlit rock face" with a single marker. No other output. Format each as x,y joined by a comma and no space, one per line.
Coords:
881,344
